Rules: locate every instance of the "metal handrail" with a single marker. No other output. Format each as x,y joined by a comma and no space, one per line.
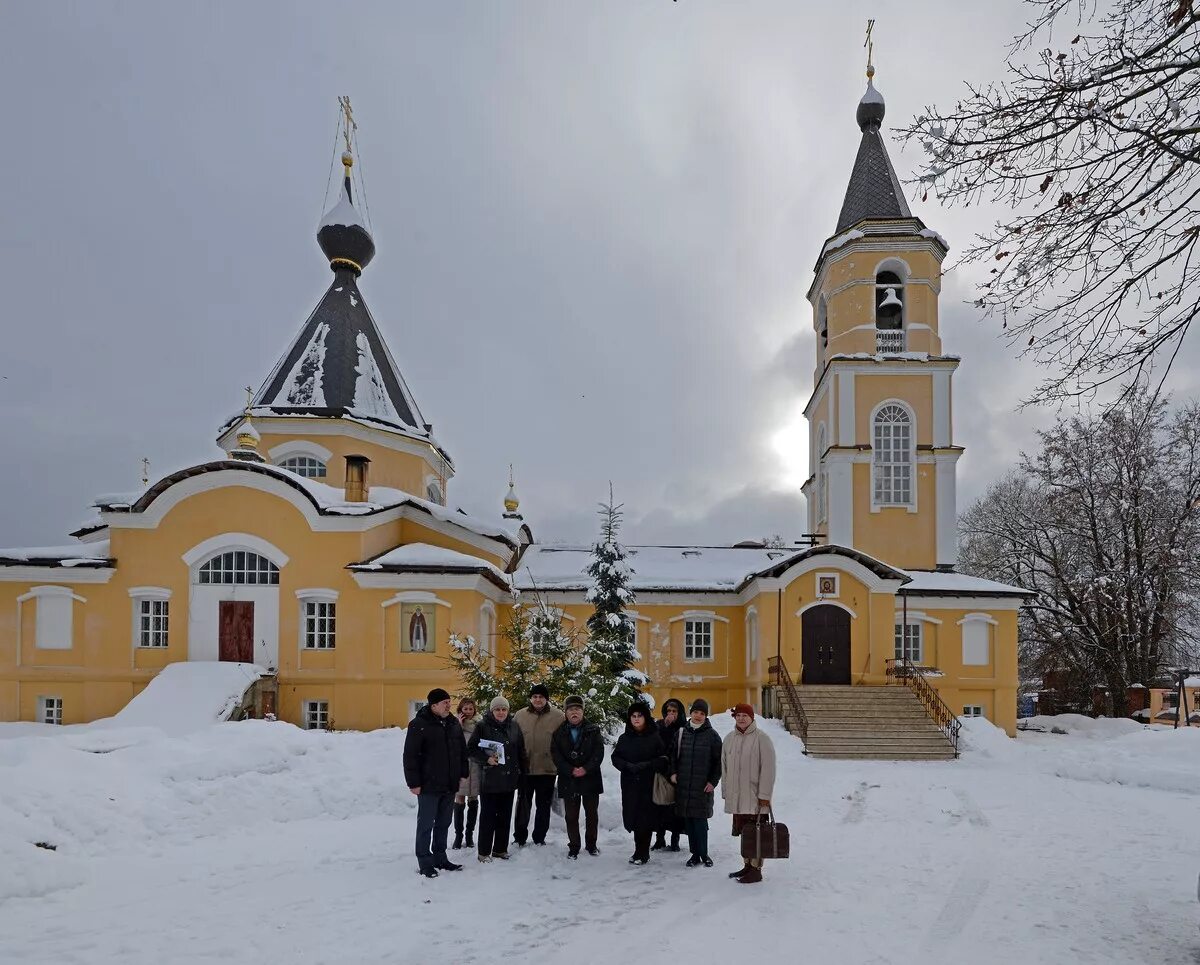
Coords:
783,680
913,676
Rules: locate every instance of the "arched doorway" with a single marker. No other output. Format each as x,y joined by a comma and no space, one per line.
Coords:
825,645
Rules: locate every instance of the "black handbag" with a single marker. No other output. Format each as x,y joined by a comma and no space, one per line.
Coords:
767,839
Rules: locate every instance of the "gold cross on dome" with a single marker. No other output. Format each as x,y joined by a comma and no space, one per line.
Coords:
869,43
145,471
349,126
249,397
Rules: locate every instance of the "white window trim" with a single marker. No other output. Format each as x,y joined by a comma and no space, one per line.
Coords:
415,596
822,444
43,707
202,552
50,592
976,619
138,595
699,614
712,639
307,714
314,595
979,618
917,616
920,625
752,647
828,601
303,455
299,447
911,505
968,708
489,629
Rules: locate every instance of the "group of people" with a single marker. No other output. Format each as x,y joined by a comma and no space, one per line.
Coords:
468,769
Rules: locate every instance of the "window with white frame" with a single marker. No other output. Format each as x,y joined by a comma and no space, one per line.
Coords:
752,636
320,623
153,619
241,567
892,458
50,710
414,708
433,492
976,642
310,467
973,710
697,640
316,715
908,642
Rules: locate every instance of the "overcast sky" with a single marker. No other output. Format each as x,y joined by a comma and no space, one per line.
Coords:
596,223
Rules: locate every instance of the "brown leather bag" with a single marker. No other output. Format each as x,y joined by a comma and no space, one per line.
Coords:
762,840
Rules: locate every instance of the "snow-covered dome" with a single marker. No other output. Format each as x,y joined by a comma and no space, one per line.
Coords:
870,109
344,237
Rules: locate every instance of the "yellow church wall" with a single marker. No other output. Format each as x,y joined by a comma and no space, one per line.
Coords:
916,390
892,533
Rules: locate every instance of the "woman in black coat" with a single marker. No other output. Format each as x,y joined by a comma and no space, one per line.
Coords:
639,755
673,718
499,781
695,771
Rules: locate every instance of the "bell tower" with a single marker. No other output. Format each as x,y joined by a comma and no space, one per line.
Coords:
880,416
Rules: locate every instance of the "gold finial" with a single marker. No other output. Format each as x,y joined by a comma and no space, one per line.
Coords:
511,502
249,399
248,436
145,471
349,128
869,43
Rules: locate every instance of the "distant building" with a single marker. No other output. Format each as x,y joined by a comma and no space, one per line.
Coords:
321,544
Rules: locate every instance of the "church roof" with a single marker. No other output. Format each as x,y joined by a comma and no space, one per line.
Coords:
874,192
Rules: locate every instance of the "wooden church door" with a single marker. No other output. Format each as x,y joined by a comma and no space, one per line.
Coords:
236,640
825,645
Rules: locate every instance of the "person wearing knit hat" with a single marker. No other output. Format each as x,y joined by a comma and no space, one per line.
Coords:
538,722
748,769
435,762
696,770
639,756
497,745
577,749
673,715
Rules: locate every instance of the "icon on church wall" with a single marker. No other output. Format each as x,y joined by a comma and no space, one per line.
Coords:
827,585
416,628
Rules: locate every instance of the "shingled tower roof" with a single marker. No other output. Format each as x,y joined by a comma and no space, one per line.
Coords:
338,364
874,192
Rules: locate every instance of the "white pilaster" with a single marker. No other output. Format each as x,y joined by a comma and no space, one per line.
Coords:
841,498
845,418
947,507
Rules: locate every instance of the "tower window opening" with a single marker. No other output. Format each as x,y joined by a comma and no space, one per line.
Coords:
889,313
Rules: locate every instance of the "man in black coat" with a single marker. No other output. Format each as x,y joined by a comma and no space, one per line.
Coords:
578,751
435,760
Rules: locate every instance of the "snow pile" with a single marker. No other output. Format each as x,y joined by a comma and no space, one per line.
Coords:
186,696
980,737
1101,728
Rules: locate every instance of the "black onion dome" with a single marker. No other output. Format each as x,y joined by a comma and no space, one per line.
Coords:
870,109
343,237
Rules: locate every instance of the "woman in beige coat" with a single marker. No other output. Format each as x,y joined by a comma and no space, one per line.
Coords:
747,780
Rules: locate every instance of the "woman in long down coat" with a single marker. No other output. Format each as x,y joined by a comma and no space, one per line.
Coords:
673,717
639,755
696,770
466,801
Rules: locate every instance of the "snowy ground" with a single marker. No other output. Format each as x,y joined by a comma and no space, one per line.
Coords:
259,842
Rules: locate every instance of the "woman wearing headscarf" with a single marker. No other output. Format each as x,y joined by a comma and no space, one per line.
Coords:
668,821
502,762
466,802
639,755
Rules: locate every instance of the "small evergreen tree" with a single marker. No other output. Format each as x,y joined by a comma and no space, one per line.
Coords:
610,647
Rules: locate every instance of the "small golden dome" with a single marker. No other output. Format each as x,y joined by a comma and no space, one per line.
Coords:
511,503
248,437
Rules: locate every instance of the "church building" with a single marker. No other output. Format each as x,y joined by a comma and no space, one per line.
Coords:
321,542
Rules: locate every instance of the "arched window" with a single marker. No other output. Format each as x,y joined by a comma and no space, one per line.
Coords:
433,492
241,567
823,322
889,312
892,457
307,466
822,478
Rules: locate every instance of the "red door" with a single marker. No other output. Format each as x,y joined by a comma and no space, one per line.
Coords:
237,631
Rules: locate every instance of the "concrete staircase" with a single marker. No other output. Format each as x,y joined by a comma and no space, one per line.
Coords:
870,723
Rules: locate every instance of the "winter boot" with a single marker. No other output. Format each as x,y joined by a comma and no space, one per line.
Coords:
458,826
752,876
660,842
741,871
472,814
674,841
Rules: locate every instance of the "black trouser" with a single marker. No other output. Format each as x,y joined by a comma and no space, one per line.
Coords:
433,821
697,832
641,844
495,814
541,787
591,811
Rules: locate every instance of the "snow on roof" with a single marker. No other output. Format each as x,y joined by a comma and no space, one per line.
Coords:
556,566
426,556
74,554
843,239
343,213
930,233
872,96
892,356
927,582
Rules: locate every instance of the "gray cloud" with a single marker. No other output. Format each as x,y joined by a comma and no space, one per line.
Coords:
596,225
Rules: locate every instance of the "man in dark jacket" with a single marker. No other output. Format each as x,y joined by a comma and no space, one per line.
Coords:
578,751
435,760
